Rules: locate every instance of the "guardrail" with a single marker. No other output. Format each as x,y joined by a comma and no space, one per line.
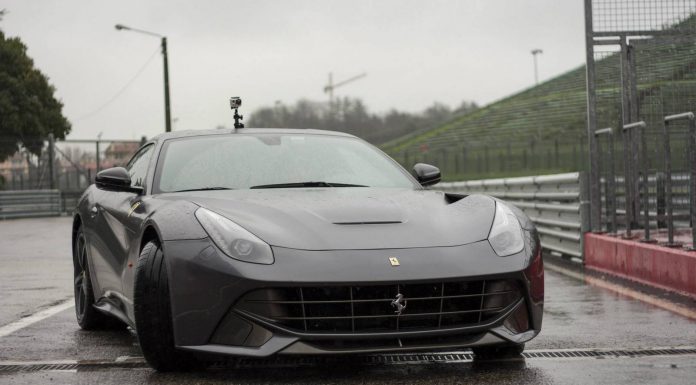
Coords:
30,203
558,204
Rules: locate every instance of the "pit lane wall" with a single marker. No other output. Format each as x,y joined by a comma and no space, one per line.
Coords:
558,204
672,269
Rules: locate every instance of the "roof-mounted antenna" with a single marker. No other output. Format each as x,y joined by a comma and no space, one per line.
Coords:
235,103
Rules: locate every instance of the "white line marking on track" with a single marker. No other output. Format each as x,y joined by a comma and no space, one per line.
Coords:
622,290
36,317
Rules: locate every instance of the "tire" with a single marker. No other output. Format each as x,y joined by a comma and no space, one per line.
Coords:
88,317
153,315
498,351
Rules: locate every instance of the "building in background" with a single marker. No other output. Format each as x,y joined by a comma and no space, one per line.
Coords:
118,154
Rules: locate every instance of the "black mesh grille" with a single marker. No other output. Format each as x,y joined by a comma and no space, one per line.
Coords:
369,308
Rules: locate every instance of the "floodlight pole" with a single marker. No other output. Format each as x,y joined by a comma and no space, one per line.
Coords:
536,52
163,39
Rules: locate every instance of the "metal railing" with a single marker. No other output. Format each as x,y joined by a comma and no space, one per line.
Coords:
30,203
558,205
651,194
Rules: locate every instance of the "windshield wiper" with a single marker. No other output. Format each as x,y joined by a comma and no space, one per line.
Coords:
306,184
204,189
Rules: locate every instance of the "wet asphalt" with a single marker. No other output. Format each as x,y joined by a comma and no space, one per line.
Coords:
35,272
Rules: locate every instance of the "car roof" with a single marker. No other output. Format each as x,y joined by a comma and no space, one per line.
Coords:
232,131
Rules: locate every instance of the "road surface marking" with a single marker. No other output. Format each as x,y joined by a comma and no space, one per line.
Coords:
622,290
36,317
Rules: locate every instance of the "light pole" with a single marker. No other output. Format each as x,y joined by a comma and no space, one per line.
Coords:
167,113
536,52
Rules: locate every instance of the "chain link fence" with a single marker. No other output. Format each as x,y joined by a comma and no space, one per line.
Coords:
68,166
641,70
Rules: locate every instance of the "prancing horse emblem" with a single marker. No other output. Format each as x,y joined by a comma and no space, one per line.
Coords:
399,303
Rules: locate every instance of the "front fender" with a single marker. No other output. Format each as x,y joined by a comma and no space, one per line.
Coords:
175,220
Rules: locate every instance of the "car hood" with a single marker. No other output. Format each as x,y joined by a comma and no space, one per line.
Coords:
353,218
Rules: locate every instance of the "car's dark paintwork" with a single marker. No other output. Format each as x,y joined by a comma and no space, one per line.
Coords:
318,235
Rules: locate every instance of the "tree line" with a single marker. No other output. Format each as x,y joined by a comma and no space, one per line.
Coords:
352,116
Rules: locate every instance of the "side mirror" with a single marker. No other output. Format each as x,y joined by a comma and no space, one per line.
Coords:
426,174
116,179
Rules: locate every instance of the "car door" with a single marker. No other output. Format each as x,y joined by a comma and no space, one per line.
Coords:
117,227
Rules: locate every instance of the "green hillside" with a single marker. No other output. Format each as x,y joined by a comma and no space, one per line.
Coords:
543,129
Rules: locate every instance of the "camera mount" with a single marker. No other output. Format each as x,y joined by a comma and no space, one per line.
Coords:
235,103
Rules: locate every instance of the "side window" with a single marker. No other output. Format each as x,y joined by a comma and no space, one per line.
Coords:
137,167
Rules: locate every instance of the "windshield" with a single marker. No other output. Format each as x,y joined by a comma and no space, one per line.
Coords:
242,161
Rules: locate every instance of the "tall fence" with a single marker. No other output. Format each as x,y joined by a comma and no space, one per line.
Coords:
558,205
67,165
64,164
641,93
472,159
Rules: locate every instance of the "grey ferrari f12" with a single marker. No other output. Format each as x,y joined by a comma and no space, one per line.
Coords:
255,242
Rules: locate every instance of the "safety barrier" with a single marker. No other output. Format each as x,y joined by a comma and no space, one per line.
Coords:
30,203
558,204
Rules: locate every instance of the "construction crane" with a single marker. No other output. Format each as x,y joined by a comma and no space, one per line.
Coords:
329,89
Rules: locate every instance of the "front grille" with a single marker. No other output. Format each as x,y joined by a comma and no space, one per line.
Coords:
368,308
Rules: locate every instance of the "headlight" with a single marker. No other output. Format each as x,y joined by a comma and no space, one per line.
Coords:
233,239
506,233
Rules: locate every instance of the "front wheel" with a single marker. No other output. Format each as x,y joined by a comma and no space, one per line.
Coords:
153,315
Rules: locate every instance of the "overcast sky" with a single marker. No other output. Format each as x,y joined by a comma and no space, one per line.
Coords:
414,53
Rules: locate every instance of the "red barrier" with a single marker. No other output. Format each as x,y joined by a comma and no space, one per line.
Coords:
666,268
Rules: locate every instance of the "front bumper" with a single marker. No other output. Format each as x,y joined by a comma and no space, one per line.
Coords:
205,285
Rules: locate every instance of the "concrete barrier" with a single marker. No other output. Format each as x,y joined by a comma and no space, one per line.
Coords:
670,269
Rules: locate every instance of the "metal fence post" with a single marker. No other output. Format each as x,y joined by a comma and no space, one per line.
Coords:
668,185
642,159
595,198
633,113
692,180
97,157
628,199
610,189
585,209
628,153
668,176
51,158
660,199
584,201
